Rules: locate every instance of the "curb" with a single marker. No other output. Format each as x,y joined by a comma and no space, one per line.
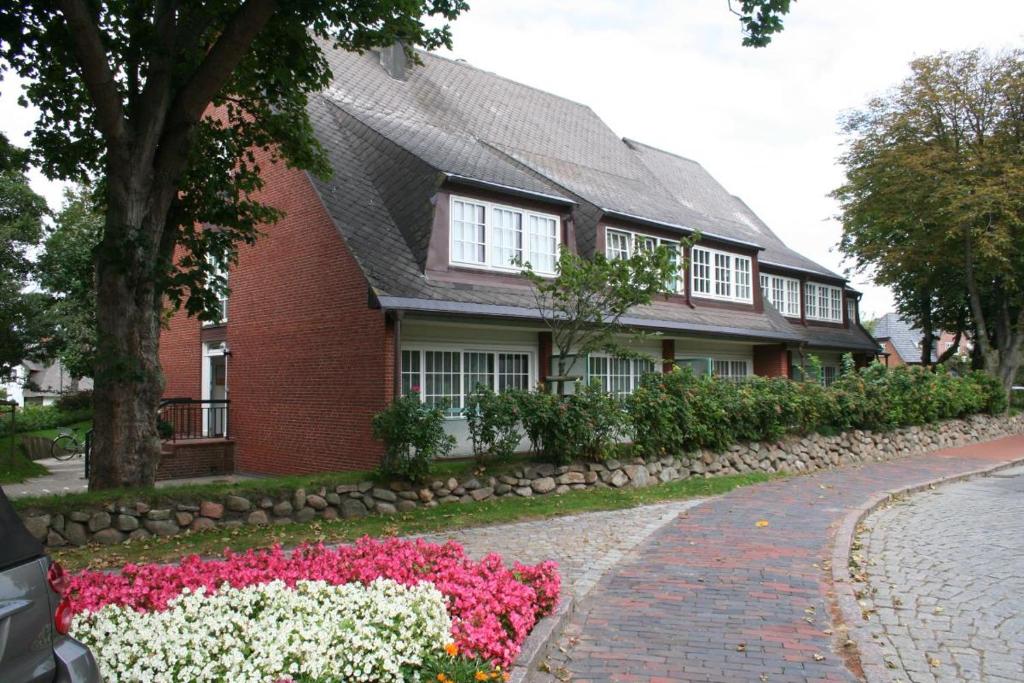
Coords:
866,652
536,644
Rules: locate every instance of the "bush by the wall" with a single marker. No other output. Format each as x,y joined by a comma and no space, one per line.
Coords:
413,435
493,423
74,400
34,418
585,424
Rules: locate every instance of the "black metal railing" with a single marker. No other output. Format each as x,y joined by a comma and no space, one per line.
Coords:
187,418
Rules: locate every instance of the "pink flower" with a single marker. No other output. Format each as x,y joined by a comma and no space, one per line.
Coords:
493,608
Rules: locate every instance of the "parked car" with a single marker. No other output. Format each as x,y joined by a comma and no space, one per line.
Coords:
34,612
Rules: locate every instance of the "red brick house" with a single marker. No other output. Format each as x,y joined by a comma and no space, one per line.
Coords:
902,343
394,272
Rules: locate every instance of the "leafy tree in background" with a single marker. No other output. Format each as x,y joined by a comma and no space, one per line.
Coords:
163,104
934,199
761,19
65,270
583,305
22,327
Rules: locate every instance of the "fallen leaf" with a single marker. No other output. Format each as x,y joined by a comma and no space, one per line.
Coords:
761,523
934,662
742,647
818,657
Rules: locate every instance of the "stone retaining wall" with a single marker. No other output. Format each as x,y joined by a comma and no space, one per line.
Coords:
110,524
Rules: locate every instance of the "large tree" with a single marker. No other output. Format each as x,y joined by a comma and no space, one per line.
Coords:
22,327
934,199
164,103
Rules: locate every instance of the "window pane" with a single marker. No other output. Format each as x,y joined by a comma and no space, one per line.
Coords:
672,283
764,285
411,373
617,244
442,378
811,300
478,371
513,371
723,274
543,244
741,265
701,270
468,232
620,376
506,236
793,297
598,366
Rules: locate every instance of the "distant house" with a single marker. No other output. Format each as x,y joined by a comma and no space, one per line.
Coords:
902,343
394,274
42,384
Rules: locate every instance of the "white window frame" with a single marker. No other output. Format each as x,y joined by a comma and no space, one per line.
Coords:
731,364
462,350
633,239
526,233
222,269
774,286
636,371
829,374
817,296
721,274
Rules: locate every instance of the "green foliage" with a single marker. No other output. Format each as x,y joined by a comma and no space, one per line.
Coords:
586,424
493,423
74,400
761,19
933,203
583,304
33,418
65,270
678,412
22,325
413,435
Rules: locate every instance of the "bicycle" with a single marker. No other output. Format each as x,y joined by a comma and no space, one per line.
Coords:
66,445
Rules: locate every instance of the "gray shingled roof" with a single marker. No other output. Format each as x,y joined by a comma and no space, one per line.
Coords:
392,143
902,335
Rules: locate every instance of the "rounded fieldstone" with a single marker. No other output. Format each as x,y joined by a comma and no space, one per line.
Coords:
54,540
237,504
543,485
266,503
571,478
99,521
451,484
183,518
330,514
618,479
316,502
210,509
306,514
57,523
79,516
299,499
386,508
258,518
425,495
471,484
141,508
159,515
202,524
385,495
406,506
75,533
161,527
365,486
408,495
524,491
333,499
352,508
140,535
38,526
283,509
502,489
345,488
562,488
186,507
108,537
481,493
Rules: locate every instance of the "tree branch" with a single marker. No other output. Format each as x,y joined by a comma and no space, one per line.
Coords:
96,72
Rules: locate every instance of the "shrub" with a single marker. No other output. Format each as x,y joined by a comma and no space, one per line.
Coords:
413,435
34,418
585,424
74,400
493,423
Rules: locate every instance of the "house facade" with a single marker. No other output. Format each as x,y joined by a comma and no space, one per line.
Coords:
394,273
902,344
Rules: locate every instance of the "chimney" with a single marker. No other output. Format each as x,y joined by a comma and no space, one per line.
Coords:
394,61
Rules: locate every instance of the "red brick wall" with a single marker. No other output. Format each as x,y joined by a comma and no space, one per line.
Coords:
200,458
771,361
894,358
310,363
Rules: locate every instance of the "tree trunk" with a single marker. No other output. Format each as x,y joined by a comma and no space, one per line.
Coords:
128,383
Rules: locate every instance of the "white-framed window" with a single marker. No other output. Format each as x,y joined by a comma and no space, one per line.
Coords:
721,275
446,376
220,271
783,293
623,244
824,302
732,370
617,376
829,373
851,309
489,235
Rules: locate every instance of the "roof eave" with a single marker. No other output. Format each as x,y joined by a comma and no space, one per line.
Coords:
507,189
676,226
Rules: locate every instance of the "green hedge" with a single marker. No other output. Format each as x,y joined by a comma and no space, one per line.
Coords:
34,418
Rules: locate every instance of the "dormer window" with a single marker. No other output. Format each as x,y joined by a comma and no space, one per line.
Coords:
721,275
824,302
492,236
783,293
622,244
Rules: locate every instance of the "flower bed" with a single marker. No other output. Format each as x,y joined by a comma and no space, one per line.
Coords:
324,597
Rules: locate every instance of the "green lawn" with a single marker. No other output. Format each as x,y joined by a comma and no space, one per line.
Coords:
424,520
15,467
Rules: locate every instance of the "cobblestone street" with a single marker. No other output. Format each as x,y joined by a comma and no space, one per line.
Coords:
947,570
584,546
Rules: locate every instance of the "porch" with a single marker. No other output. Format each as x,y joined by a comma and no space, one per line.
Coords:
194,439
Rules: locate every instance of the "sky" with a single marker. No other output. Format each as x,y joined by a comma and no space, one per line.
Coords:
673,74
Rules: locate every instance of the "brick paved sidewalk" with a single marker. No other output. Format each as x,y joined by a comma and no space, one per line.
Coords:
713,596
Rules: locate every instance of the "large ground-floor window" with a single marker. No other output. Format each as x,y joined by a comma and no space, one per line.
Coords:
618,376
445,377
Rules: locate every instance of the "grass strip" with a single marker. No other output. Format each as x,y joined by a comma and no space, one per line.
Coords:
421,521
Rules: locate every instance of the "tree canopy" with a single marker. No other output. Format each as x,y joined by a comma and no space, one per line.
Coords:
933,201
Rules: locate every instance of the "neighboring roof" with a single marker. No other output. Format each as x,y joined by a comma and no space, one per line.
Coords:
904,338
393,143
